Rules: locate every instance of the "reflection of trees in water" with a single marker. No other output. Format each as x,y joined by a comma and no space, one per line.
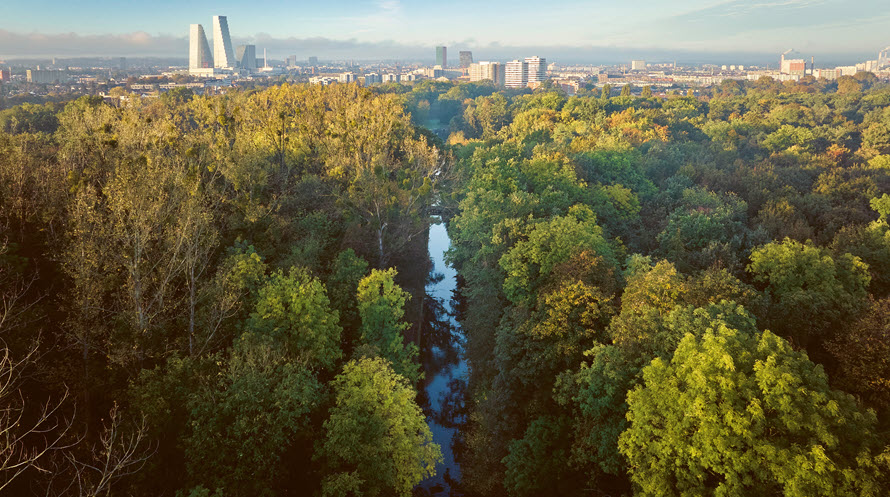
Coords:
452,409
458,302
441,348
439,343
434,278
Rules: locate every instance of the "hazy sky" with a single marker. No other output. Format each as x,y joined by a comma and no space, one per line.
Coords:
405,28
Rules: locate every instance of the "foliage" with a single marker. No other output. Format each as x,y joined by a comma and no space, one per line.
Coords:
201,259
813,291
528,263
241,426
377,441
735,411
537,462
863,356
381,307
293,311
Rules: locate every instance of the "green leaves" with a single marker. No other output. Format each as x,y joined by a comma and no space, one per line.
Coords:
734,412
377,441
243,423
294,311
813,291
550,243
381,307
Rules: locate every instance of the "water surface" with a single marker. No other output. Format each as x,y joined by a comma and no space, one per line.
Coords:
441,344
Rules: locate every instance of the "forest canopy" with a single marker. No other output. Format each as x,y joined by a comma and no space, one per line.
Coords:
660,294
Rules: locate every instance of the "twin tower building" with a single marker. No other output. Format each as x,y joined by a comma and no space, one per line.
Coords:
204,62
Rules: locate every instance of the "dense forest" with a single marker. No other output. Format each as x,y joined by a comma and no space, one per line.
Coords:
685,294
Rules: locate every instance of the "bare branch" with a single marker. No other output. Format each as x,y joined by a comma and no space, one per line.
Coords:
23,443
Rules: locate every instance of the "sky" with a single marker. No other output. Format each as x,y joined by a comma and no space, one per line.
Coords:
392,29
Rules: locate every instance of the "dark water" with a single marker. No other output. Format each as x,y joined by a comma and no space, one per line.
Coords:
444,366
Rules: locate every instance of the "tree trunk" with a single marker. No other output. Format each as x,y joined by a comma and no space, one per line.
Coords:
380,257
192,305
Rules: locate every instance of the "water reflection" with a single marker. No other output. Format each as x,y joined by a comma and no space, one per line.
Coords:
441,344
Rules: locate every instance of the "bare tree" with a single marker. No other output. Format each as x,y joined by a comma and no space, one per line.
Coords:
25,440
118,453
121,450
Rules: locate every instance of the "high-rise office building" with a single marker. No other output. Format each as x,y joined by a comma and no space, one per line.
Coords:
466,58
638,65
223,57
537,69
199,50
442,57
516,74
291,61
313,61
245,57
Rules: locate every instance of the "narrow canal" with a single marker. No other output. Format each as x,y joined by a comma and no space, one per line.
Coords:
444,365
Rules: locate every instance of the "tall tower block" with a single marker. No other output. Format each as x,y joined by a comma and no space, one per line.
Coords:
199,50
442,57
223,55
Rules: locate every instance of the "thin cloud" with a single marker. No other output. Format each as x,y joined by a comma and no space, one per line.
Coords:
72,44
141,44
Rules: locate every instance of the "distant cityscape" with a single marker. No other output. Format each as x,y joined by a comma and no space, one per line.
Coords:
213,68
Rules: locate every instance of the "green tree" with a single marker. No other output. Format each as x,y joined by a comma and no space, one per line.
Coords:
529,262
651,293
537,464
381,308
606,92
734,413
347,270
813,293
229,297
29,118
376,441
595,395
847,85
387,171
881,205
871,243
294,311
707,229
257,410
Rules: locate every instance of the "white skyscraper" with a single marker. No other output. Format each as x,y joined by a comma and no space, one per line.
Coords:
223,56
537,69
199,49
516,74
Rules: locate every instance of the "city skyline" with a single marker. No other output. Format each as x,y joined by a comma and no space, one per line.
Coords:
405,29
